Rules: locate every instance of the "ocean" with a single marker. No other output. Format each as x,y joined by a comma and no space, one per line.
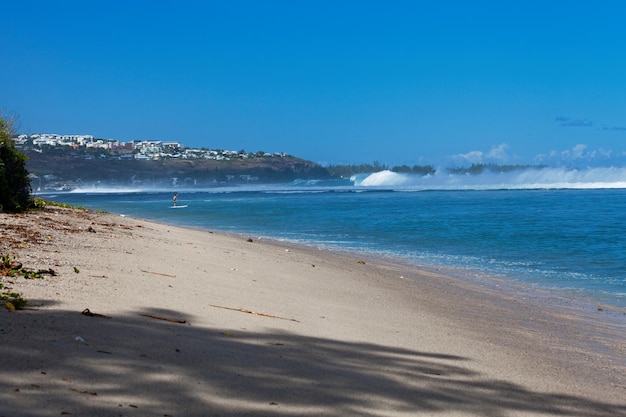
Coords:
564,235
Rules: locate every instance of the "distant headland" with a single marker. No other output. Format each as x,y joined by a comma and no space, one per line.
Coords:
66,162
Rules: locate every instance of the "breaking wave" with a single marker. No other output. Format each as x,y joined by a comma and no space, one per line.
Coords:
526,178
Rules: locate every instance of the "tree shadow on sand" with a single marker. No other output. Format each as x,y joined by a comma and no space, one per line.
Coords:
151,363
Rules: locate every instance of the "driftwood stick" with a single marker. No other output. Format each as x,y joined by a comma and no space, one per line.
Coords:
243,310
88,313
165,319
158,273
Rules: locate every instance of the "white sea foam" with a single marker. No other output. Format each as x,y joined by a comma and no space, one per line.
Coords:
107,190
385,178
528,178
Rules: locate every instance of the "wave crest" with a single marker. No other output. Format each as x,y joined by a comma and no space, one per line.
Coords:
385,178
527,178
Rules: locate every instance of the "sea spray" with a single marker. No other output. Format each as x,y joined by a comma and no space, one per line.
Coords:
386,178
518,179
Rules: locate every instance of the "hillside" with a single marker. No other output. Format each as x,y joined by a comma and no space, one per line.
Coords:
53,171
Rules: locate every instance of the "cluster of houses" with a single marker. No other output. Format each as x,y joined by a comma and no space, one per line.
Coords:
137,149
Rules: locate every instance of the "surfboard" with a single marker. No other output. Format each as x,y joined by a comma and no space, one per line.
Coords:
185,206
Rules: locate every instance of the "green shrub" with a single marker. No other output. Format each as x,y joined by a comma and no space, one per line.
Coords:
14,181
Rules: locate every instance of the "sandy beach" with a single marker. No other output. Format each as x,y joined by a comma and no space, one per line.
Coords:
146,319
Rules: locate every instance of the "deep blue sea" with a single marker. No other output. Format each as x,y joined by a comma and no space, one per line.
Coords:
570,240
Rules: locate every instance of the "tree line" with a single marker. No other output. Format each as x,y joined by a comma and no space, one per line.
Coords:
346,171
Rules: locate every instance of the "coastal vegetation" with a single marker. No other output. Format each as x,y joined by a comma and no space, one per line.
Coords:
346,171
477,169
41,203
12,300
10,268
14,180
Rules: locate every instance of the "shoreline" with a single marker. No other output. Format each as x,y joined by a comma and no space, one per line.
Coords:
574,299
597,289
283,328
562,298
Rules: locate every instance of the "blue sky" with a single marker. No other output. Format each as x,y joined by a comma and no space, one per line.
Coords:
398,82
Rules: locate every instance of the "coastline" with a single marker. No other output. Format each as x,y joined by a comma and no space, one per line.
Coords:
274,328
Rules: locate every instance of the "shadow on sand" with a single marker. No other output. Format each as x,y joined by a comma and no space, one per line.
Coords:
64,363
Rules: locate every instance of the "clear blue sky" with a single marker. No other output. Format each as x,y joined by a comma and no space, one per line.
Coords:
399,82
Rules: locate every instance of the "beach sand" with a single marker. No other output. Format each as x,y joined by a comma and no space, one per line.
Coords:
185,322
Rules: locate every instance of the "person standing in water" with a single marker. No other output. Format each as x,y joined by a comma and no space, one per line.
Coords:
175,199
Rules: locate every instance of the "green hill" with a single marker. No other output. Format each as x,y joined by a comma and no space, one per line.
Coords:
53,171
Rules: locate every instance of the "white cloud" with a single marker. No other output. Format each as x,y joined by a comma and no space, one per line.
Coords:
473,157
498,153
579,153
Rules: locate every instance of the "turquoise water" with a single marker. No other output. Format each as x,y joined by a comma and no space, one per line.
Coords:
569,240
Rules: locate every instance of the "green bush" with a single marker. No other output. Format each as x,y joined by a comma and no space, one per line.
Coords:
14,181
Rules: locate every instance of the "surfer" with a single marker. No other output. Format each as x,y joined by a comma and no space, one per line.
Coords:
175,199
